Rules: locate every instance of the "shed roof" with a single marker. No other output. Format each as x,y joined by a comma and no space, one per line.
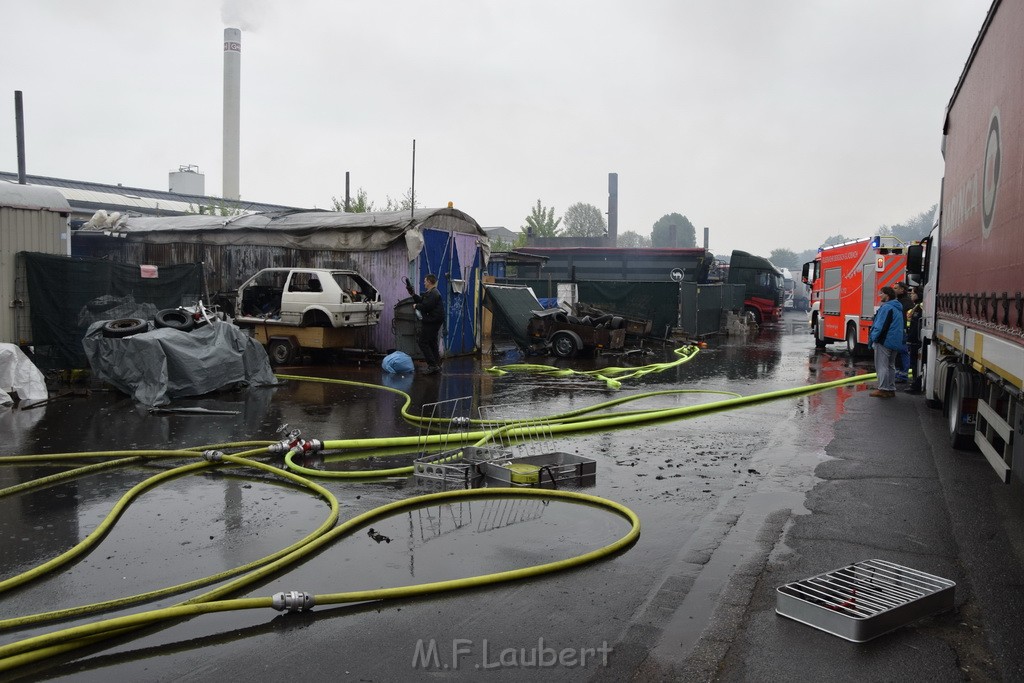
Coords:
294,229
89,196
16,196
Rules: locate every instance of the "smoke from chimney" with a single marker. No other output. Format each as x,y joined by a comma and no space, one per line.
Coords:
232,106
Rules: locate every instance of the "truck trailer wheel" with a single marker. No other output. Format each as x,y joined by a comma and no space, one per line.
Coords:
281,351
963,387
565,344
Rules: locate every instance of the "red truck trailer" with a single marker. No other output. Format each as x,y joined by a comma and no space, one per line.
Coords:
845,280
973,261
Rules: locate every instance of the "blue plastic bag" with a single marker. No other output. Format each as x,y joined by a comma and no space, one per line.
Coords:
397,362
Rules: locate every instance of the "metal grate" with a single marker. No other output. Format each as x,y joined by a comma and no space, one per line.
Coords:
864,600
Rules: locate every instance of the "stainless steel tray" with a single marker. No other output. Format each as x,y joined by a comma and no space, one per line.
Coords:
537,470
864,600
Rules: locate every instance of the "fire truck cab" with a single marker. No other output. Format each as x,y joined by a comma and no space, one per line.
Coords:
845,280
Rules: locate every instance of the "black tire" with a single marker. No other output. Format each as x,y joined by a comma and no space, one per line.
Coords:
852,346
125,327
819,334
961,387
281,351
587,320
616,323
752,315
561,317
572,320
603,319
174,319
565,344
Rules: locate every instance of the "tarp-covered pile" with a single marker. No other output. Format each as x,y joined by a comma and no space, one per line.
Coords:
155,367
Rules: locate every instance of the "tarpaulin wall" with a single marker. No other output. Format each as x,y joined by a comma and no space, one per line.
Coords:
455,260
68,293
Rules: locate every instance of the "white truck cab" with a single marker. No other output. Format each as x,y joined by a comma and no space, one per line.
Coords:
309,297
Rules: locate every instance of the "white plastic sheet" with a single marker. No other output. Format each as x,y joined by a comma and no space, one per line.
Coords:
19,374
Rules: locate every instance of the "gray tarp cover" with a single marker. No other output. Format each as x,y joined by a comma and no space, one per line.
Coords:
155,367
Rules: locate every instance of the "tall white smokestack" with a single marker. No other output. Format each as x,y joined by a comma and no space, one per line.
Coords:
232,97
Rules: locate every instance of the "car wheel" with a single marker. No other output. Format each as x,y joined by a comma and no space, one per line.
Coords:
125,327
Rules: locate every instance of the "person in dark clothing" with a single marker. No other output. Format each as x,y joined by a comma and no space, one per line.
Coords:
903,355
914,319
431,312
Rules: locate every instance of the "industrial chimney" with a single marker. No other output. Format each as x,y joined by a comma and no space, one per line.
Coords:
613,209
232,96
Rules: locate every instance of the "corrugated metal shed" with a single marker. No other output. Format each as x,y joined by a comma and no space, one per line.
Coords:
31,219
383,246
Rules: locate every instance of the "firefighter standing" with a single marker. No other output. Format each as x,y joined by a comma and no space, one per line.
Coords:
914,316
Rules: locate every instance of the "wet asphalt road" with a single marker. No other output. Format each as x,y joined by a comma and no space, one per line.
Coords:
729,503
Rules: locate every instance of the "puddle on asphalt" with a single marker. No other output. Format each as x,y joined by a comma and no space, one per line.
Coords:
677,474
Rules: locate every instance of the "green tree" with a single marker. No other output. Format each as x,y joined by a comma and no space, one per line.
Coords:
632,240
784,258
541,222
404,203
684,233
584,220
915,229
359,204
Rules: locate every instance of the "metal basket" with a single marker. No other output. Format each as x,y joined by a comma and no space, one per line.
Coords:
864,600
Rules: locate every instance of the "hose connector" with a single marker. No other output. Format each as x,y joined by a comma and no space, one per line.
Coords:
293,601
213,456
460,422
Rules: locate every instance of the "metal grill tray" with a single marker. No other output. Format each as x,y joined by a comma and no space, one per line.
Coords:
864,600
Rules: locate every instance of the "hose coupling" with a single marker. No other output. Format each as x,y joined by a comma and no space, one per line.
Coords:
460,422
311,445
293,601
213,456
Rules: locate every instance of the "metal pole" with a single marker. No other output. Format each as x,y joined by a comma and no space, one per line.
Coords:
412,209
348,197
19,119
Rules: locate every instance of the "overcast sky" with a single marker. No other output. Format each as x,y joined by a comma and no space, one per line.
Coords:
776,123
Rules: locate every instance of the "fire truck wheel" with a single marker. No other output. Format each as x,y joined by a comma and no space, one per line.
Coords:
125,327
852,346
819,335
565,344
174,319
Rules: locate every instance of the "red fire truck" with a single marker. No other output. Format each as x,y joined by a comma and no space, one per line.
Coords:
845,280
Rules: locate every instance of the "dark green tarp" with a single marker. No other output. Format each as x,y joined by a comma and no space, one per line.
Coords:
68,293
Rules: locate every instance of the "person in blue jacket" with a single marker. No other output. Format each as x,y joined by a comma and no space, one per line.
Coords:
886,338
